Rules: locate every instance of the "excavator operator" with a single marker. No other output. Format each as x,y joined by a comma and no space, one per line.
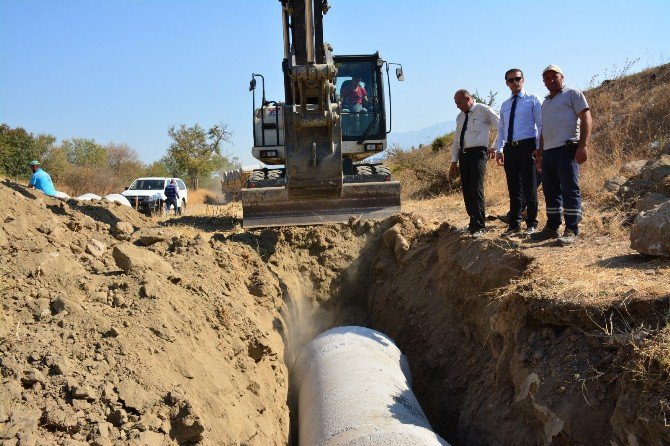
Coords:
353,95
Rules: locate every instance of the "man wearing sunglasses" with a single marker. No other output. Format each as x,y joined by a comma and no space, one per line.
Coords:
566,130
518,132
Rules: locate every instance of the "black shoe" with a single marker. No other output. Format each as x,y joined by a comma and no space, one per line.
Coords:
530,231
546,233
510,232
465,230
568,238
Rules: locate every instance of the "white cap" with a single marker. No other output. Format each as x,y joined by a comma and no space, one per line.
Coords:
552,67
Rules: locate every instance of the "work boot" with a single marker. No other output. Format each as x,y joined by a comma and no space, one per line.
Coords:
509,232
568,238
545,234
529,231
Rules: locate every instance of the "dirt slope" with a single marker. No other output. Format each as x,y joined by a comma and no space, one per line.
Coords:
177,350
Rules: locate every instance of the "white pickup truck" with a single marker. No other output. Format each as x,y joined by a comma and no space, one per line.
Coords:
146,194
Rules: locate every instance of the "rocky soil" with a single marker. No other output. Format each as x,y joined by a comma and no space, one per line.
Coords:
117,329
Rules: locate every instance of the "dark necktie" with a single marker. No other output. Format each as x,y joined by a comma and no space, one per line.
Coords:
465,126
510,129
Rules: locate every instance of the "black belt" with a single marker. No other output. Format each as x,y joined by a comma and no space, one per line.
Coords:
519,142
471,149
567,145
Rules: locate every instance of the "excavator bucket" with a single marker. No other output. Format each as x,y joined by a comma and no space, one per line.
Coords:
270,206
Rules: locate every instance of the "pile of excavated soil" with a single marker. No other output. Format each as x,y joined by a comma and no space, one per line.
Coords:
120,330
114,333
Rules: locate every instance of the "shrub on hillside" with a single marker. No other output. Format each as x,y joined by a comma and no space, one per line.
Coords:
438,143
422,172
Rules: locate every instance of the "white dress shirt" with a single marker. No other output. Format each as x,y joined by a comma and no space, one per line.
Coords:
481,120
527,119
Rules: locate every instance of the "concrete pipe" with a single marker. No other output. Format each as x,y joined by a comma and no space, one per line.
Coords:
355,389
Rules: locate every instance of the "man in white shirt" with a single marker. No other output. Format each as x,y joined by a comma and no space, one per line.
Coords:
470,153
518,132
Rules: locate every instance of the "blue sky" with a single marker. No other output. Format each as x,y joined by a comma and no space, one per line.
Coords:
124,71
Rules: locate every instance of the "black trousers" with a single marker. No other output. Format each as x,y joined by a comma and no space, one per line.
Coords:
472,161
521,182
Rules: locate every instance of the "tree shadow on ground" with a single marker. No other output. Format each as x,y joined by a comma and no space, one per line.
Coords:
634,261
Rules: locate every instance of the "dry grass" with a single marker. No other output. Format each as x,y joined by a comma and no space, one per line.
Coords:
651,370
423,172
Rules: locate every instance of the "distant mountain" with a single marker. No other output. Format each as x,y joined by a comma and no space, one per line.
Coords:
424,136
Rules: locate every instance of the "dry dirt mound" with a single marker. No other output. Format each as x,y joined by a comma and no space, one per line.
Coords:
108,341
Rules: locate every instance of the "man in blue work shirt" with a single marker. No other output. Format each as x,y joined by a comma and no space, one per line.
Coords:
518,132
171,197
41,180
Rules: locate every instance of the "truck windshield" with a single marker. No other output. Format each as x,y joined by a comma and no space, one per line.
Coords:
358,93
147,185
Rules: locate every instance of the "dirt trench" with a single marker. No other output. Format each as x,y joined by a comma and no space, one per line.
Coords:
116,330
496,358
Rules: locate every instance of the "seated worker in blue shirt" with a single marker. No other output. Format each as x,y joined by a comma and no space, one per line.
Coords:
41,180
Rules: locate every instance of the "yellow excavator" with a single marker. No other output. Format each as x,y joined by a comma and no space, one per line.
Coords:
314,143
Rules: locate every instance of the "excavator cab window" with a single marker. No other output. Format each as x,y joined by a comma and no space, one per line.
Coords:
358,90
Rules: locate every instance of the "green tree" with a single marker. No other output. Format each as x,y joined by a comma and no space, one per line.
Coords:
124,162
158,169
18,147
197,152
490,99
57,164
85,152
171,167
230,163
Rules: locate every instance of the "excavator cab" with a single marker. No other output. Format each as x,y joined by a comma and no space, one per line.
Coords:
361,97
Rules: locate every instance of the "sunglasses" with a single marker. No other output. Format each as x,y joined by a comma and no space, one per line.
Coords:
514,79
